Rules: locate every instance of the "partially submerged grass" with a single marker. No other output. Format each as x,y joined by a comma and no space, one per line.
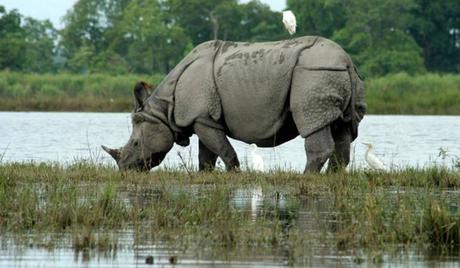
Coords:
360,210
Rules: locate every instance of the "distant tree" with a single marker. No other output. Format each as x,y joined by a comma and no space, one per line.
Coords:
82,60
114,12
89,32
40,47
85,24
109,62
379,43
202,20
12,43
318,17
148,39
436,28
26,44
10,22
205,20
148,36
260,23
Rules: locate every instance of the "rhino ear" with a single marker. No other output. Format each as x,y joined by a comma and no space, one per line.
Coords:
141,92
115,153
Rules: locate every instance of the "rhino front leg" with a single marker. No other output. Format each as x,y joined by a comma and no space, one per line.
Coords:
207,159
217,142
319,147
342,139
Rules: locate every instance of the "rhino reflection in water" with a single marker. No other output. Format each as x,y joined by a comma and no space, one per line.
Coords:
262,93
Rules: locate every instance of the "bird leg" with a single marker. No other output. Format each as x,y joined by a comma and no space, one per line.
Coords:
217,142
319,147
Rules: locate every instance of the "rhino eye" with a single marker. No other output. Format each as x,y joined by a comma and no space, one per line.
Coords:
136,143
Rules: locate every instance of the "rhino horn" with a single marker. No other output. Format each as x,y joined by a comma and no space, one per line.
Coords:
115,153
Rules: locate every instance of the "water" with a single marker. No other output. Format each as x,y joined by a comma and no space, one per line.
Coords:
400,141
309,214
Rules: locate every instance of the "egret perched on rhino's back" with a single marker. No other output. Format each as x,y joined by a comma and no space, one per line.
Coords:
257,163
289,21
372,160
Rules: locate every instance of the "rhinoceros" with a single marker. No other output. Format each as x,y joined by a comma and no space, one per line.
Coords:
263,93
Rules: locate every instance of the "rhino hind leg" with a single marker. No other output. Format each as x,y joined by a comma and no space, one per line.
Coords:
341,133
318,98
319,147
207,159
217,142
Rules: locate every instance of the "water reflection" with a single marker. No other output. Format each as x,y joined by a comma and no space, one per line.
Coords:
314,216
130,247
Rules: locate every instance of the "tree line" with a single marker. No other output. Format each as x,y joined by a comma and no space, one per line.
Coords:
151,36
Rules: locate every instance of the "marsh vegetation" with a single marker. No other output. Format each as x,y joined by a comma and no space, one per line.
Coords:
363,214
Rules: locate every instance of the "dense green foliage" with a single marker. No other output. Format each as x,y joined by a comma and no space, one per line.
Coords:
388,36
392,94
26,44
151,36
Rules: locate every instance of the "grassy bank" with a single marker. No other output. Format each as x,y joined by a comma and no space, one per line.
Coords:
68,92
393,94
421,94
353,213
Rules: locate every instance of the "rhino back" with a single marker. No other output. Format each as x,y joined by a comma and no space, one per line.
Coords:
253,82
325,54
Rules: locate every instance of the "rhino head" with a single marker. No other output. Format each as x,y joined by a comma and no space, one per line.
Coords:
150,141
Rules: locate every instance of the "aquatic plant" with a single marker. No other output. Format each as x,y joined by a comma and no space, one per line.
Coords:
359,211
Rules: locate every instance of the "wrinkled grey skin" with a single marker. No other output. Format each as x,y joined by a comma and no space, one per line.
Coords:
262,93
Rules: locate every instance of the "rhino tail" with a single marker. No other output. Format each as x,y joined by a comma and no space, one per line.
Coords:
354,116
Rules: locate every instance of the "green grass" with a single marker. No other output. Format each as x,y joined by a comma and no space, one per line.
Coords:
360,211
68,92
393,94
421,94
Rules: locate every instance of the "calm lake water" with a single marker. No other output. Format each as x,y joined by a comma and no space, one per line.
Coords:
400,141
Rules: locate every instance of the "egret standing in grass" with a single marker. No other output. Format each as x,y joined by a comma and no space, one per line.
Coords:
289,21
257,163
372,160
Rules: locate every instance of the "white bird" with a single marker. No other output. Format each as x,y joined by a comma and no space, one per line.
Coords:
372,160
256,160
289,21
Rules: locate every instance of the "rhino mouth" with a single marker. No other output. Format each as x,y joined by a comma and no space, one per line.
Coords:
145,165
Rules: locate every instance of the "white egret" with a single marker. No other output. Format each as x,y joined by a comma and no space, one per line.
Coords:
289,21
257,163
372,160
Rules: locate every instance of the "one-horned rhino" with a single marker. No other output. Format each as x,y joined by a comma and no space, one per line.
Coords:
262,93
